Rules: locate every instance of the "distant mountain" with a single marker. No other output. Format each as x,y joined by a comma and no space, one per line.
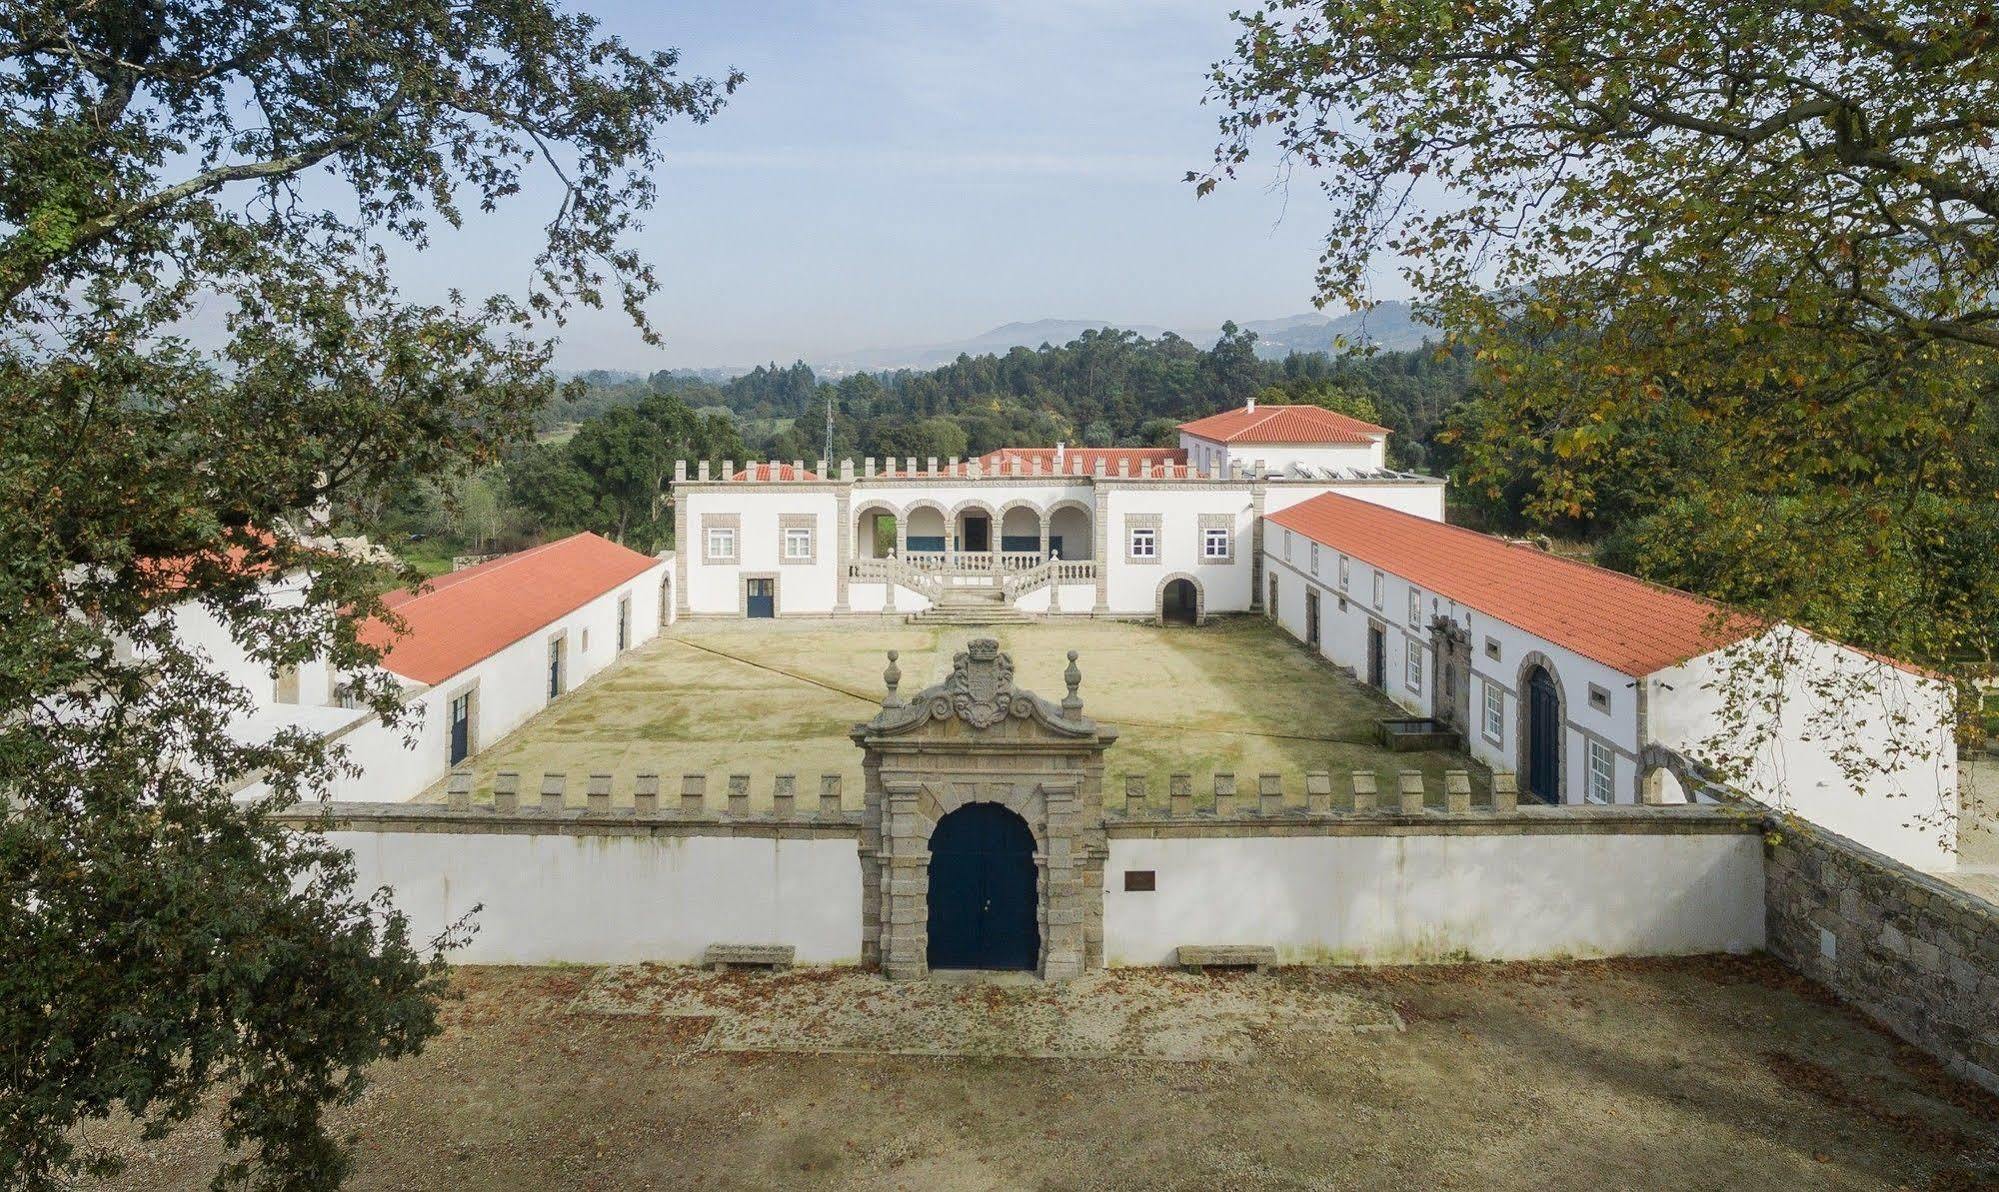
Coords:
1392,326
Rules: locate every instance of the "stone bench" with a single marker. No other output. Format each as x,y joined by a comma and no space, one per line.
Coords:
775,957
1198,957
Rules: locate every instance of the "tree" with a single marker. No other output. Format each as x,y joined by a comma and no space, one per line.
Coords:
1753,245
160,941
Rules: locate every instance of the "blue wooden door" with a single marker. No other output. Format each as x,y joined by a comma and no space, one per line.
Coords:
763,598
1544,737
982,891
461,728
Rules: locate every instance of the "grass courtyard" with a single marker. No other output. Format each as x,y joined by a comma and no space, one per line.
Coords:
779,698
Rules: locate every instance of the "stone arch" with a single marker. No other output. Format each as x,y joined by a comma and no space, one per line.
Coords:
1659,765
864,529
955,529
1039,529
909,525
1523,723
1085,544
1200,598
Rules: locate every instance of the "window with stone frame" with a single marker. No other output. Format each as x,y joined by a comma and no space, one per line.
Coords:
1415,605
1380,585
798,538
1495,713
1315,558
719,532
1287,546
1414,676
1217,538
1344,584
1141,537
1602,773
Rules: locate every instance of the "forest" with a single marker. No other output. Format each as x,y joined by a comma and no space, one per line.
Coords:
604,454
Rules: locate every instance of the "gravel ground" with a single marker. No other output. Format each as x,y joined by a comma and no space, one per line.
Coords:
1705,1073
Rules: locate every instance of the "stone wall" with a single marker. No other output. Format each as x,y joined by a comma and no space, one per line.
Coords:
1917,954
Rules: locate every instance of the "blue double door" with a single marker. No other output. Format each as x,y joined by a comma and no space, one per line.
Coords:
982,891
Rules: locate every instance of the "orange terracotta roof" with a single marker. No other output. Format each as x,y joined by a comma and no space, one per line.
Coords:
1283,424
774,471
1083,459
1629,625
474,613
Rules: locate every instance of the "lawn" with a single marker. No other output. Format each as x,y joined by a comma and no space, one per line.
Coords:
733,698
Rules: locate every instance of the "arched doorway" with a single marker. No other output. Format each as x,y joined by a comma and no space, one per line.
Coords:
982,897
1543,739
1179,603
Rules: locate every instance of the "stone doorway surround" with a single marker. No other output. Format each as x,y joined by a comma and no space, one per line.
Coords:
976,738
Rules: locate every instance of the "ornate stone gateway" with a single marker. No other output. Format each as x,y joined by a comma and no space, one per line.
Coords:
975,739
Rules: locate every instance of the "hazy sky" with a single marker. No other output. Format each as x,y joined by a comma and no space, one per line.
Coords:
897,173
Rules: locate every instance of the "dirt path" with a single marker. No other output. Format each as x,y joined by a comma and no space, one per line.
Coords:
1684,1075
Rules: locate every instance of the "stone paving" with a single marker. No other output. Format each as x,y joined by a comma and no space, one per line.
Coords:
1104,1015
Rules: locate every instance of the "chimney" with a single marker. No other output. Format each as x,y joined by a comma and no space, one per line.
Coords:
1060,454
1251,407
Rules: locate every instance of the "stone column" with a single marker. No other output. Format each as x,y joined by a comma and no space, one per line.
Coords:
1256,495
1100,531
843,506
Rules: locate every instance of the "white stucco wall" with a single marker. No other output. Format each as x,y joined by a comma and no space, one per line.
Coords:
585,899
1902,721
1422,498
1132,588
1207,452
510,685
1343,640
802,587
1404,899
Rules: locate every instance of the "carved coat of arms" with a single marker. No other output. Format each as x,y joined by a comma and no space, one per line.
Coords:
980,687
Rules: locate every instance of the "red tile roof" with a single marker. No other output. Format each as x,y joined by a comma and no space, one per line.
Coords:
1629,625
474,613
774,471
1081,458
1283,424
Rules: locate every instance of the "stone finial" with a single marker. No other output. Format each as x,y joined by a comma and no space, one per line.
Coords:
645,795
1072,703
1410,785
1134,794
1365,792
1457,791
1318,791
1224,795
729,469
1505,792
739,794
868,467
599,794
693,793
784,796
458,791
702,471
892,676
506,792
930,464
1269,793
829,794
553,784
1180,795
679,470
846,469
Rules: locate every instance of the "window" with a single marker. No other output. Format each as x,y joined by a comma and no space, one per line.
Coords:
1214,543
797,543
1602,772
1415,675
1378,584
1599,698
584,645
624,622
1344,585
1495,713
1144,542
721,542
1142,537
1287,546
1492,648
558,652
1415,606
1315,558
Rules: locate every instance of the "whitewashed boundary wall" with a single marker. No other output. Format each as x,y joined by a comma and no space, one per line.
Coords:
1543,883
582,889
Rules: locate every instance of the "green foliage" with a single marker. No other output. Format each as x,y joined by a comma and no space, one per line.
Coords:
162,943
1726,272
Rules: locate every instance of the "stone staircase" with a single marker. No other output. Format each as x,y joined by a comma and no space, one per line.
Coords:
970,606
